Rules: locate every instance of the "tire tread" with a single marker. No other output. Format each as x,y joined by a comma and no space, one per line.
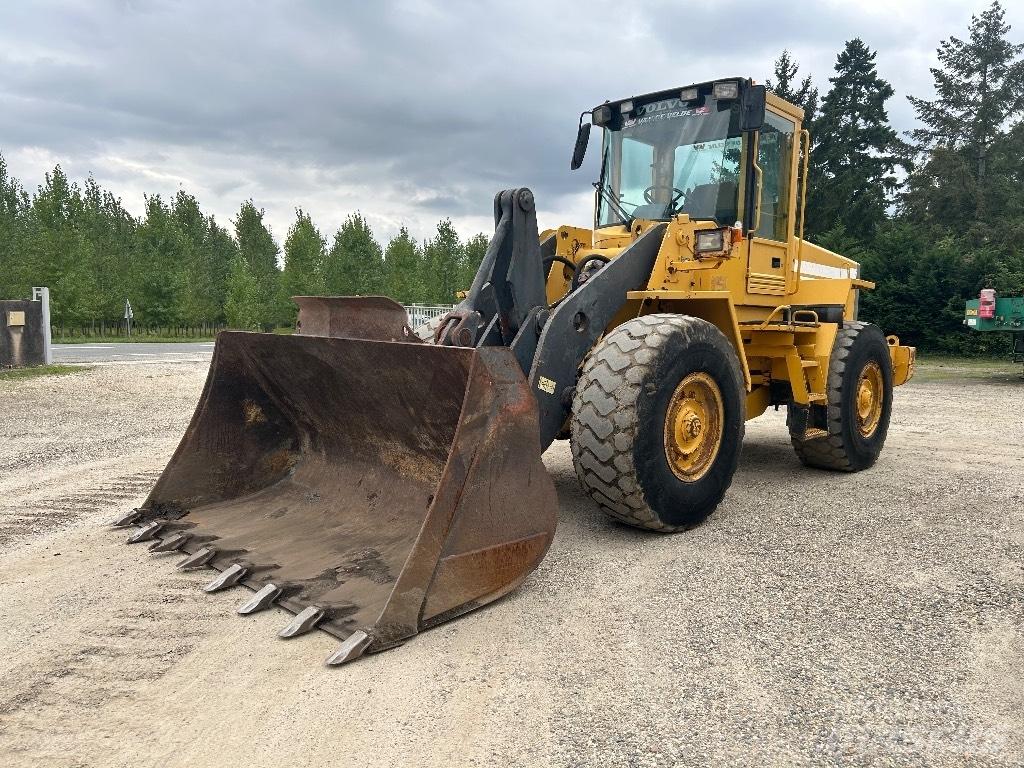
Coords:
604,422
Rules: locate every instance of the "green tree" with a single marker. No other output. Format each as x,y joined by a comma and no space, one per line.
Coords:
403,269
304,254
13,210
257,247
109,234
472,254
56,252
856,150
442,259
355,264
219,250
160,254
979,89
243,308
197,299
785,86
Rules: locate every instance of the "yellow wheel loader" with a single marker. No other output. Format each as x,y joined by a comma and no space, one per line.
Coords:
375,480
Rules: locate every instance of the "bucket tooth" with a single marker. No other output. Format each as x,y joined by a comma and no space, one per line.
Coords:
350,650
303,622
197,559
146,532
264,598
229,577
127,519
170,543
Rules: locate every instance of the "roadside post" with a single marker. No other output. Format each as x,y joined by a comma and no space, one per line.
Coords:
42,295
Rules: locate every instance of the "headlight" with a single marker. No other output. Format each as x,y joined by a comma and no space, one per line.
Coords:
713,242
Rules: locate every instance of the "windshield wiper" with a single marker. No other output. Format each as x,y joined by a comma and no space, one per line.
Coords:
615,205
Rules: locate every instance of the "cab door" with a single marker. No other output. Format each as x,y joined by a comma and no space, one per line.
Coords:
769,254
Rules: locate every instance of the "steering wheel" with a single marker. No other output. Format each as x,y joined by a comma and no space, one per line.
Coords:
677,195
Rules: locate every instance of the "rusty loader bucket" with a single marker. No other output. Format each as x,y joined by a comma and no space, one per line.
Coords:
374,488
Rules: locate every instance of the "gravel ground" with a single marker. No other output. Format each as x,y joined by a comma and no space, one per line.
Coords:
815,619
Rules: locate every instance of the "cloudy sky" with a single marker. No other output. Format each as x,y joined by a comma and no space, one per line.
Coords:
408,111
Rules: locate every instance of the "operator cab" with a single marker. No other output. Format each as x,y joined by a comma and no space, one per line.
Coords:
681,151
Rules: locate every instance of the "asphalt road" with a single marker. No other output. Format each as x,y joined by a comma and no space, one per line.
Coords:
134,352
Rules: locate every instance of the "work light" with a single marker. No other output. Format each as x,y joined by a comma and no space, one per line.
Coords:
730,89
688,94
712,242
601,115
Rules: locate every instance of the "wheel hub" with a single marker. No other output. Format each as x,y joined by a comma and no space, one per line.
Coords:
693,426
869,399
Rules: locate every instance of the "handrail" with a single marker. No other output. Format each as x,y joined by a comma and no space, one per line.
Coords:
757,203
805,146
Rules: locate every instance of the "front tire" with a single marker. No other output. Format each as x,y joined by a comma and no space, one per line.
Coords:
859,402
657,421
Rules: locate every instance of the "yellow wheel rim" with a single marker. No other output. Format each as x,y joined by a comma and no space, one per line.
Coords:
693,427
870,397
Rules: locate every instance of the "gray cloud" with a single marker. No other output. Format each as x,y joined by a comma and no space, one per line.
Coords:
408,111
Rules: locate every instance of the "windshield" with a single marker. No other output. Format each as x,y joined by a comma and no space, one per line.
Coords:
671,158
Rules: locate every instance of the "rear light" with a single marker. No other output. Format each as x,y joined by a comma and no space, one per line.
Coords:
987,303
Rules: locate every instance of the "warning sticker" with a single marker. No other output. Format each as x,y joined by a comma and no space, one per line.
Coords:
546,384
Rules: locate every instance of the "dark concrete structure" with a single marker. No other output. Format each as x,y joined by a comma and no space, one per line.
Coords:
22,334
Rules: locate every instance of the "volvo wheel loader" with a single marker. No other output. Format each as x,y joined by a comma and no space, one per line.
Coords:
375,481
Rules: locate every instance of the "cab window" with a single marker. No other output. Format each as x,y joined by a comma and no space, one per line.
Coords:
775,157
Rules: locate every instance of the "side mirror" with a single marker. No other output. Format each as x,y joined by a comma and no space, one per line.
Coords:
752,108
582,139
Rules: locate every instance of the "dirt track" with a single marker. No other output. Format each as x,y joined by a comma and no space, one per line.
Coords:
815,619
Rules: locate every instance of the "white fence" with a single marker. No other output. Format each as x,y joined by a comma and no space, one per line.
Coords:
420,314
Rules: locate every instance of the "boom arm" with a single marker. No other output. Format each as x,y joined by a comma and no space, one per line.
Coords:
507,306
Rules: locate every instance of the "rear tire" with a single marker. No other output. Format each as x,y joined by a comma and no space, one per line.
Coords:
856,427
648,372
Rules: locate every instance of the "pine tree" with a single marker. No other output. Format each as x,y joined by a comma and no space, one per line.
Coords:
403,269
355,264
804,95
856,149
979,88
304,253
